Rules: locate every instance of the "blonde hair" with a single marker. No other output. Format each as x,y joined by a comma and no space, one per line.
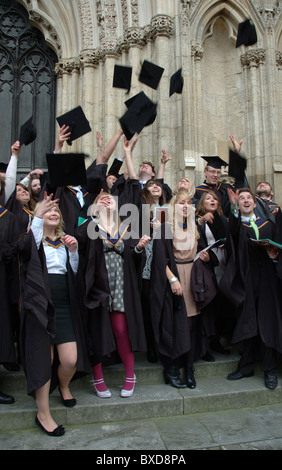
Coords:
191,222
191,191
59,230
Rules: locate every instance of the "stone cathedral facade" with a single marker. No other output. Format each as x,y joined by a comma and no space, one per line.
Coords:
227,90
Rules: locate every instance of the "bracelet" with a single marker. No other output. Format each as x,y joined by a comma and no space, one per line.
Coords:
172,280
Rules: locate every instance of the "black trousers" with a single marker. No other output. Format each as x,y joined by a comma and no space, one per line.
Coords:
253,350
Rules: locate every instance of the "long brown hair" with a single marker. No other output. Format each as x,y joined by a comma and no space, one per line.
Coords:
31,203
200,209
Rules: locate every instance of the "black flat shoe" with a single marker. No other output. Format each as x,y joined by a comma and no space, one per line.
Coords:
59,431
69,403
190,378
6,399
237,375
174,381
270,380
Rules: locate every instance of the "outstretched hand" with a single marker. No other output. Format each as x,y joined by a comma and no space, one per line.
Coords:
46,205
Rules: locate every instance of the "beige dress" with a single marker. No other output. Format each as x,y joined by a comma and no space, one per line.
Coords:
184,261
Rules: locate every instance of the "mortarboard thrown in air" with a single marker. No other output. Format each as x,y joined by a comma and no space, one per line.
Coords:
215,162
237,165
246,34
141,112
122,77
176,83
77,122
66,169
150,74
27,133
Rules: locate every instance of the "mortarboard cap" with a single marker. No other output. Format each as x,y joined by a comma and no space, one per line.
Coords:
176,83
150,74
27,133
141,112
66,169
122,77
77,122
3,167
215,162
246,34
237,165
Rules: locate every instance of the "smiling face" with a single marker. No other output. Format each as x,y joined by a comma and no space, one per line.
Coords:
210,203
264,190
155,189
52,218
22,195
35,186
182,207
212,174
246,204
146,171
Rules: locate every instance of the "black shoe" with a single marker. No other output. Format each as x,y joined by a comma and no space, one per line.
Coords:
237,375
190,378
173,380
208,357
70,402
270,380
6,399
59,431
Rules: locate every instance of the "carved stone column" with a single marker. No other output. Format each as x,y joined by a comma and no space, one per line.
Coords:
253,62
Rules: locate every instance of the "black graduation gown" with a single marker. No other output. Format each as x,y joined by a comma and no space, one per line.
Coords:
168,312
9,233
23,215
220,189
251,283
94,278
220,307
38,318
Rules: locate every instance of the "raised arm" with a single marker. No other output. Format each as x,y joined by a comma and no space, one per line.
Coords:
164,160
11,172
63,136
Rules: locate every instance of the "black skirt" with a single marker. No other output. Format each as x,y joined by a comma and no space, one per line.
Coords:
61,301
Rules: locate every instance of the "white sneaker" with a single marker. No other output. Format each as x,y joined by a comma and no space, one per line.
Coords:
105,393
128,393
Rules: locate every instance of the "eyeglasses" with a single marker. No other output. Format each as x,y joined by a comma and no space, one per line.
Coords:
214,172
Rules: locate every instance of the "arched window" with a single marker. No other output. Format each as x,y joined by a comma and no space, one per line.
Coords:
27,86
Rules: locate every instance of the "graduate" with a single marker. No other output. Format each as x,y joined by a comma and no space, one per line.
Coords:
112,259
53,341
212,174
9,233
173,310
251,283
212,227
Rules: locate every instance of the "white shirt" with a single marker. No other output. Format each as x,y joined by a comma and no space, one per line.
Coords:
56,258
10,177
79,195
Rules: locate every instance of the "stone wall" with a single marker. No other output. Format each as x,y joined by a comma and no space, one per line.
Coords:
227,90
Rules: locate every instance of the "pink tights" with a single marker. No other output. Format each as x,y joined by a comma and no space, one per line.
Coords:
120,331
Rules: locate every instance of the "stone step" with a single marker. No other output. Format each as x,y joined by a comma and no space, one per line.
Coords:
148,373
211,394
152,398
